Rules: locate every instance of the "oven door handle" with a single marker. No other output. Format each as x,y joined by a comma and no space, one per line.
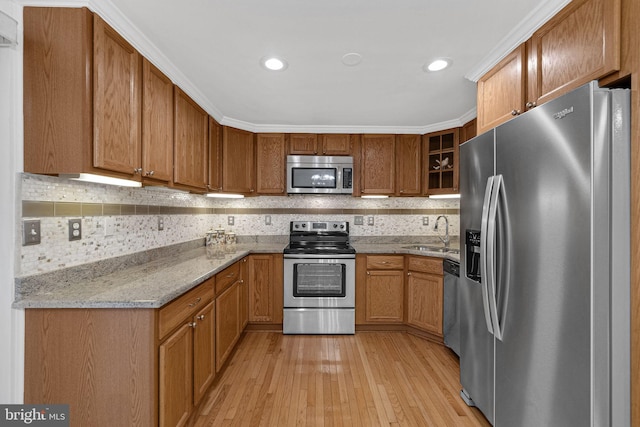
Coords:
312,256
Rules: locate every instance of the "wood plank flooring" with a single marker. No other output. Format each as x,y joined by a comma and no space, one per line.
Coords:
367,379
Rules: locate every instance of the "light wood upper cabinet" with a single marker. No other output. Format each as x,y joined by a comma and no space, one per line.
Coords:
157,124
270,163
579,44
468,130
238,161
116,96
309,144
215,156
191,141
501,92
408,165
377,175
82,95
303,144
441,162
334,144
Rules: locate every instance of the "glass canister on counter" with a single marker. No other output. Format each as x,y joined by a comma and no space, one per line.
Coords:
230,238
216,237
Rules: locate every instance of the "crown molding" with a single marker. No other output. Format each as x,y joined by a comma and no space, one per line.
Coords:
520,33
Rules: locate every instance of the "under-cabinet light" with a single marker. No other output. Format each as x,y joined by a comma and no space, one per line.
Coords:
225,195
100,179
444,196
375,197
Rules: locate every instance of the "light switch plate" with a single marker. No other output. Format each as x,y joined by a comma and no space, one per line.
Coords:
30,232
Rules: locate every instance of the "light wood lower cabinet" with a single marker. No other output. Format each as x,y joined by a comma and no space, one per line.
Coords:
379,289
227,323
265,281
425,294
175,382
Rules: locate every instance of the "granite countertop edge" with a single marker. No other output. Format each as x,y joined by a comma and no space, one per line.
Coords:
154,283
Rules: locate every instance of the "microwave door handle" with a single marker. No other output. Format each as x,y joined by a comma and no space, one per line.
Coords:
484,265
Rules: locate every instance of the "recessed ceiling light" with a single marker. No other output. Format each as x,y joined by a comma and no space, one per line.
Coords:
273,63
351,59
437,64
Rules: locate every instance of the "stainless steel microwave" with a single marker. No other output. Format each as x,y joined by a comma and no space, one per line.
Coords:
320,174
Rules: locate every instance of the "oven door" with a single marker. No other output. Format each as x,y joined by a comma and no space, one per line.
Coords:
319,281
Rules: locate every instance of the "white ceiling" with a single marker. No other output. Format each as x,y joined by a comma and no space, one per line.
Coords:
212,48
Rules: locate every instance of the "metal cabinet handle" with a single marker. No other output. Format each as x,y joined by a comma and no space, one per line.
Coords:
201,317
196,302
230,275
150,173
137,170
368,274
515,112
193,324
530,104
409,274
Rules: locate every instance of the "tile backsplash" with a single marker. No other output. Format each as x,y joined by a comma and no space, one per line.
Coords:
118,221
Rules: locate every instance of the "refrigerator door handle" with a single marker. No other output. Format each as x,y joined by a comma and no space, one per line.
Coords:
484,264
491,255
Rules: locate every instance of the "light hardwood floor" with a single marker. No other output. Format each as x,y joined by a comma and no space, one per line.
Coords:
367,379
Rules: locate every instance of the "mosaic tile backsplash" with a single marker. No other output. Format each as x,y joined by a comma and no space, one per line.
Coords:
119,221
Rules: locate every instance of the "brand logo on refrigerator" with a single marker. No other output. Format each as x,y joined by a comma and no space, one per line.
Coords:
563,113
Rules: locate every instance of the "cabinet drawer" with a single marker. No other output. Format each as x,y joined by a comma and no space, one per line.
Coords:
185,306
426,265
227,277
385,262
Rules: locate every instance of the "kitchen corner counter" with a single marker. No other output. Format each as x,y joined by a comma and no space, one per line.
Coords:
146,285
399,248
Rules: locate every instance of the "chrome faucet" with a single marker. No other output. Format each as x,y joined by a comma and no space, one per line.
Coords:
444,239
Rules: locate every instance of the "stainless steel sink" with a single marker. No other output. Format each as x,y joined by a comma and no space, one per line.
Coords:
428,248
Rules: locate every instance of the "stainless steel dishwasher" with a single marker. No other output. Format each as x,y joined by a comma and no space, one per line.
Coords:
451,322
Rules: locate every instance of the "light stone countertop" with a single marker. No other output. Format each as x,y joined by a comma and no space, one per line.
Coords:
147,285
153,283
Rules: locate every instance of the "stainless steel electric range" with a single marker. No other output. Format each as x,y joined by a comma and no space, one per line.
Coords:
319,279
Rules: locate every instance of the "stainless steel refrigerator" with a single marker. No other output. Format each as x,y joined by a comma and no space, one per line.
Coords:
544,284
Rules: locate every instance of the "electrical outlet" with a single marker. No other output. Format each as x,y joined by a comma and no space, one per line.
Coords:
425,220
75,229
267,220
31,232
358,220
370,220
230,220
109,229
160,223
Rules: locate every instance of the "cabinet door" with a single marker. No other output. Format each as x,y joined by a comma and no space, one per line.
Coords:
501,92
335,144
261,288
204,365
305,144
579,44
440,161
191,140
157,124
176,381
384,296
408,165
378,164
227,323
270,163
238,160
215,156
244,293
424,301
117,101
